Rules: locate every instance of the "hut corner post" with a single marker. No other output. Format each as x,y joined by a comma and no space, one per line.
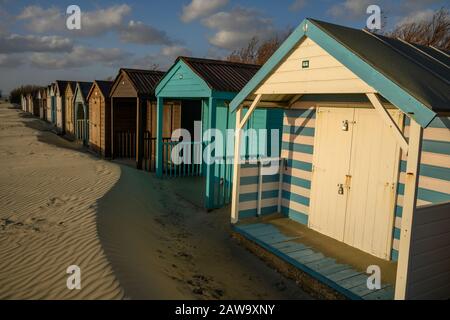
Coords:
210,168
159,140
237,151
409,208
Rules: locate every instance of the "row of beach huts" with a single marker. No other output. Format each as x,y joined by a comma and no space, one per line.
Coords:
363,158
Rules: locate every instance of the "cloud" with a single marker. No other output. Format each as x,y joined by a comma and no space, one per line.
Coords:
9,61
93,23
138,32
352,9
416,16
201,8
79,57
161,60
236,27
297,5
32,43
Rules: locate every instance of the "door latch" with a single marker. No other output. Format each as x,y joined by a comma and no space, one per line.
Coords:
340,189
345,125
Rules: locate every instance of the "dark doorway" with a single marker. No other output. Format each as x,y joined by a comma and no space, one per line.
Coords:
191,111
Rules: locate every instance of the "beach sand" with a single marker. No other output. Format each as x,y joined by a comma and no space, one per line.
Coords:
133,236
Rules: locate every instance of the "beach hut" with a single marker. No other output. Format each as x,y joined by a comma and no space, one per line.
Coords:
23,102
60,97
29,103
35,102
69,118
365,157
205,87
49,103
100,117
81,111
40,104
52,106
133,107
43,114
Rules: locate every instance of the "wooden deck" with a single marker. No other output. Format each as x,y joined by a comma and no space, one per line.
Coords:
343,278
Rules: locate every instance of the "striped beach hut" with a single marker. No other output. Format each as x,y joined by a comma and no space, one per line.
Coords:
69,119
81,111
60,94
204,88
100,117
365,156
133,108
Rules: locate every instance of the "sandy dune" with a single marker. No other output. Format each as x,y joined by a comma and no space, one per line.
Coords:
132,235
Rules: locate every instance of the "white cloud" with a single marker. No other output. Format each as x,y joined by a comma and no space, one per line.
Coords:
32,43
352,9
201,8
236,27
417,16
79,57
138,32
297,5
161,60
93,23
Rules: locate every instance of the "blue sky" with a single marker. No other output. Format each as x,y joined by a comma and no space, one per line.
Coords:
37,48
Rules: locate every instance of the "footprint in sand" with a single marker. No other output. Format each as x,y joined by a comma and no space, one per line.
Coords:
55,202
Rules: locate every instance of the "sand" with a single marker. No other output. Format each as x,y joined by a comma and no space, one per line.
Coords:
133,236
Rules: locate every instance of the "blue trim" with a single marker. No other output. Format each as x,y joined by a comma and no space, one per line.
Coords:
305,166
301,131
427,170
299,217
394,255
295,197
253,212
440,147
297,181
297,147
397,232
385,86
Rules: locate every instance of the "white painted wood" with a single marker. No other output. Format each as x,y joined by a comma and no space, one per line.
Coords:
254,104
331,160
236,169
389,121
324,75
409,207
372,183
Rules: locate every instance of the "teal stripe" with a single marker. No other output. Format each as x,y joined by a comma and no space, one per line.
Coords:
255,179
301,165
295,215
440,147
254,195
253,212
300,131
297,147
430,171
397,232
300,113
297,181
427,195
394,255
398,211
295,197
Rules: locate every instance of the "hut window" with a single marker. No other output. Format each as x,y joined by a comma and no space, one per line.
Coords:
305,64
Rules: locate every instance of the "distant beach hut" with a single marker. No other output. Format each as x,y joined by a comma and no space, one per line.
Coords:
60,94
43,114
133,107
52,97
23,102
49,104
81,111
205,87
365,156
100,117
35,102
29,103
69,118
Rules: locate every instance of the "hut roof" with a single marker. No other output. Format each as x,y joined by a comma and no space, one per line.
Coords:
415,78
144,81
84,88
104,87
221,75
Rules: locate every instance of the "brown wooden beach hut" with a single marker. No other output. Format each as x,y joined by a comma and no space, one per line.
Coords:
69,110
133,113
100,118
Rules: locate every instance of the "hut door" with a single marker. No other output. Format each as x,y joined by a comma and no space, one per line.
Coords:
332,147
355,178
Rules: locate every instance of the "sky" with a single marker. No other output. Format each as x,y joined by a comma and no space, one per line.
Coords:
37,48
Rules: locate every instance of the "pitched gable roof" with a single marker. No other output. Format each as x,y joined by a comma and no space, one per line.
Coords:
402,73
84,88
104,87
220,75
143,81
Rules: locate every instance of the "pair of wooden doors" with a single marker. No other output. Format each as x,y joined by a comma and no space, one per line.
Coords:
354,181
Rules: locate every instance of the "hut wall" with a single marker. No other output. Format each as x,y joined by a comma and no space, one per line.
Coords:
69,118
100,123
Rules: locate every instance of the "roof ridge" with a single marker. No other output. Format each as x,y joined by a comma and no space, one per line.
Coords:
141,70
220,61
